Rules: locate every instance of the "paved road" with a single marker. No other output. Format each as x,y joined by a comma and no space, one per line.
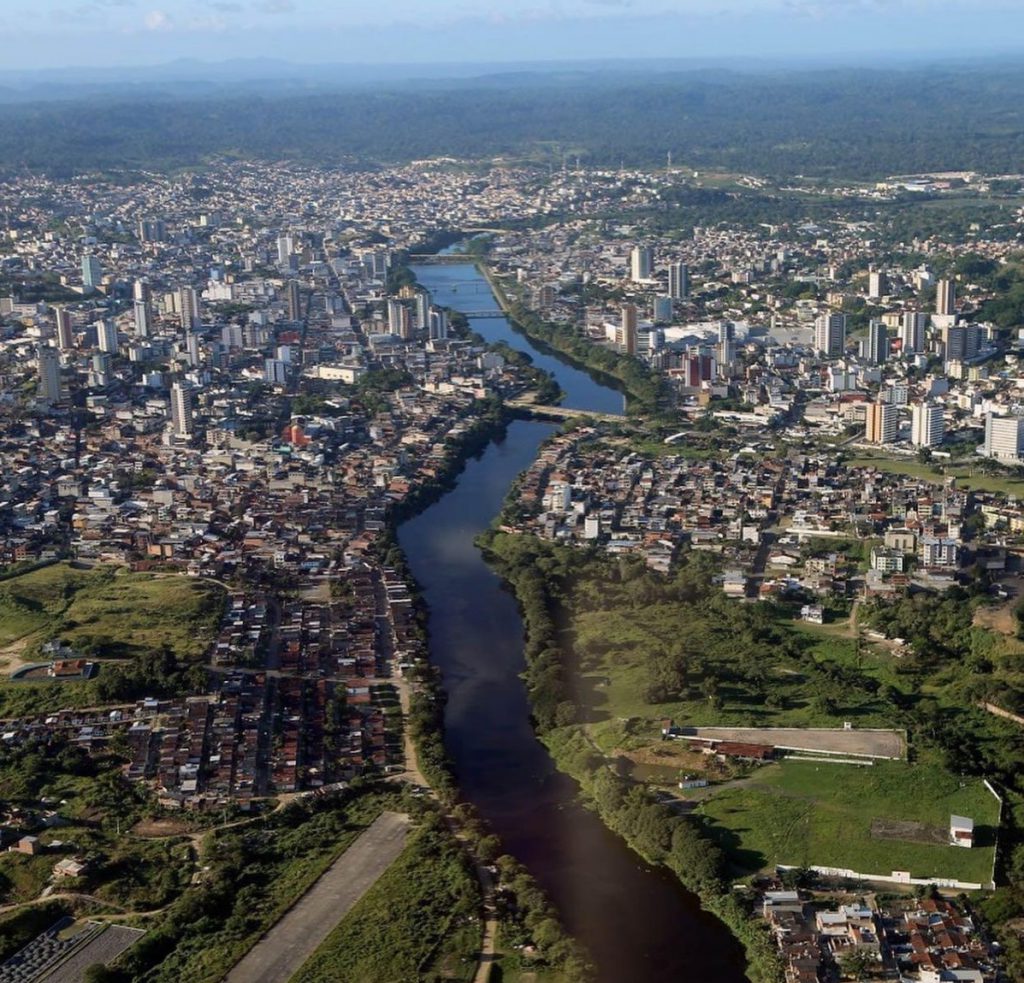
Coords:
289,943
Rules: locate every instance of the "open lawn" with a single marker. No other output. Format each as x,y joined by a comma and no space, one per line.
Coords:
870,819
967,476
108,612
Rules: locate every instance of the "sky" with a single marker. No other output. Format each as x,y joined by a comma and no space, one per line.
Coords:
45,34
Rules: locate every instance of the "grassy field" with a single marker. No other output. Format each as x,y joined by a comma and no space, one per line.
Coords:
108,612
966,475
419,921
872,820
614,673
259,872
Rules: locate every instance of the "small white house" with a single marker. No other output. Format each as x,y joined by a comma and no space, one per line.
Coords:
961,831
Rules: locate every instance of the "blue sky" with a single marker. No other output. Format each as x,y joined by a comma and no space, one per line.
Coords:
51,33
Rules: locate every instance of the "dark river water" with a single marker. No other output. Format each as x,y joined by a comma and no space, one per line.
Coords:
638,924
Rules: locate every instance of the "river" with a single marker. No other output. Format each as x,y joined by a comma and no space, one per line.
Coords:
638,923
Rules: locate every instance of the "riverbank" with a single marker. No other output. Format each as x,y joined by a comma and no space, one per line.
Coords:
629,375
536,577
525,913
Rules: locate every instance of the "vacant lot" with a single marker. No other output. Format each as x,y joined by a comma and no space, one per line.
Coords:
865,743
280,953
967,476
109,612
805,814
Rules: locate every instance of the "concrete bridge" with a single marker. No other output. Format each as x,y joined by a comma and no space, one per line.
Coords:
561,412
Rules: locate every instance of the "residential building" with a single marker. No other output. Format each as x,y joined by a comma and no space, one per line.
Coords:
830,334
641,262
678,281
1004,437
912,332
92,272
48,365
881,424
927,424
945,296
65,329
182,424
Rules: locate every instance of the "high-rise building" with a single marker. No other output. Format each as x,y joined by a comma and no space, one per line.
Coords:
678,281
830,334
106,335
629,328
92,272
881,425
285,248
962,341
188,307
1004,437
143,319
912,332
182,424
641,262
876,346
878,285
438,324
100,372
422,310
927,424
726,346
275,372
294,299
945,297
192,348
662,310
399,321
65,329
48,365
152,230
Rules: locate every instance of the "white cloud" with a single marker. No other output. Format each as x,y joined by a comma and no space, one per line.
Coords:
157,20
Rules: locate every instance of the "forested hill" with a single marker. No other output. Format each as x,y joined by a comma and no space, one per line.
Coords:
857,124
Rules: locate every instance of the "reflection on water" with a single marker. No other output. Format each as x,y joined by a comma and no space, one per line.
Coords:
638,923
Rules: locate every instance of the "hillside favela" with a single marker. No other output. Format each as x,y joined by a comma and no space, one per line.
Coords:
481,501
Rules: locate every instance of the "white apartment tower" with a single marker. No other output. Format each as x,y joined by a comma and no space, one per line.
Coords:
912,332
641,262
1004,437
182,424
188,305
927,424
830,334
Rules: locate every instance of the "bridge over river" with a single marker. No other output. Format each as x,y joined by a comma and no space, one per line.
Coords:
561,412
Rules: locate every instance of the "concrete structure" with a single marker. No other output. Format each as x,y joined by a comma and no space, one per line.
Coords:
830,334
48,364
641,263
1004,437
182,424
881,426
678,281
945,297
927,424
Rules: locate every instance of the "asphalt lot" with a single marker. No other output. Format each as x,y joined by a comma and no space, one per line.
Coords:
869,743
289,943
